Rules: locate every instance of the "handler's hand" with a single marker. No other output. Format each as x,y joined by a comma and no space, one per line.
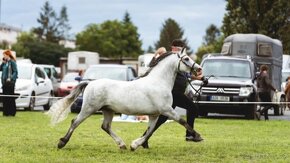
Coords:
204,80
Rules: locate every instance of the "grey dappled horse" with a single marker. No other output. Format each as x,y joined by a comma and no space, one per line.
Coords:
149,95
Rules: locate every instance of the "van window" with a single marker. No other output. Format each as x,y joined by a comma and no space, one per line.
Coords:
264,49
226,48
82,60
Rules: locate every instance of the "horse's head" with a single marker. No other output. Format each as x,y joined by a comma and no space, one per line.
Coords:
186,64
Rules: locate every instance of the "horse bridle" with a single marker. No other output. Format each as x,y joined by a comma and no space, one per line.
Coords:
180,60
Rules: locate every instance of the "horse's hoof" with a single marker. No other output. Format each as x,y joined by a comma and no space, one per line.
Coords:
61,144
123,147
132,148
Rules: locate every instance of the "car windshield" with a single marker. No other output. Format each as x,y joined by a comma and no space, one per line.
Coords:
115,73
226,68
70,77
24,71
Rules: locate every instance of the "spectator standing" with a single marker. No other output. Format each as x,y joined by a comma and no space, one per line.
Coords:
8,79
264,90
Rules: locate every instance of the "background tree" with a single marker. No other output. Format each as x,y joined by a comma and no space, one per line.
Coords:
132,43
4,45
268,17
20,47
150,49
52,28
114,39
212,34
63,24
213,41
170,31
40,52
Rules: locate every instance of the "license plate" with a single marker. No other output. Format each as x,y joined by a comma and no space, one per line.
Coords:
220,98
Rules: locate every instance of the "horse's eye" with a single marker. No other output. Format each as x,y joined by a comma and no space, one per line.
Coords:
186,59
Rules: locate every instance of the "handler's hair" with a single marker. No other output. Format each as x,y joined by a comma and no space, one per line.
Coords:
264,68
9,53
160,51
178,43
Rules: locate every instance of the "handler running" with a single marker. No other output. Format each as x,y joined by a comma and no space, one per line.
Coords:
179,99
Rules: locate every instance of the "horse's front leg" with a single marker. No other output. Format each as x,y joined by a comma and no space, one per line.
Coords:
106,126
152,122
172,114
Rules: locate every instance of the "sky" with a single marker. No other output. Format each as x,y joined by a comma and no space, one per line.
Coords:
193,16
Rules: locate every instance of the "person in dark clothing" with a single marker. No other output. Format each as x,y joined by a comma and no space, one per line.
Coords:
264,90
8,79
180,99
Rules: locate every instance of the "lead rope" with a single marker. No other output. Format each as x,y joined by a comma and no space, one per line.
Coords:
197,91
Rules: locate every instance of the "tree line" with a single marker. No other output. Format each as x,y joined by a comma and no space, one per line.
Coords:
119,39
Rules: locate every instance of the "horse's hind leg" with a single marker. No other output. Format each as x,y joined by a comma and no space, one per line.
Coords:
152,123
171,114
106,126
74,124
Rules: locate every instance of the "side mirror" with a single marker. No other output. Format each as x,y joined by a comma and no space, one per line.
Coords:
78,78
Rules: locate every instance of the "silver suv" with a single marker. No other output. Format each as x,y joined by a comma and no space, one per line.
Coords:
232,81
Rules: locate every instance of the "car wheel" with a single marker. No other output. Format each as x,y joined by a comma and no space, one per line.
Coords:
31,103
49,102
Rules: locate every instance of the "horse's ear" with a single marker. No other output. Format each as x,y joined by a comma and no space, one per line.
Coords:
183,51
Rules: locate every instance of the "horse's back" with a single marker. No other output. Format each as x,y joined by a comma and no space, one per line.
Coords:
129,97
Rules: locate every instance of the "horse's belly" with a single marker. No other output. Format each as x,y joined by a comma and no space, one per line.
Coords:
130,105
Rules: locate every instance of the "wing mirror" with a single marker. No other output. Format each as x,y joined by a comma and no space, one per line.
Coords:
78,78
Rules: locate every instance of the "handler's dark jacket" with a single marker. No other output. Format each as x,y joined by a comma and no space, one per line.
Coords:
180,83
264,83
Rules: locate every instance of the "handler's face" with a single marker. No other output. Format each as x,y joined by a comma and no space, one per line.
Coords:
199,72
176,49
5,56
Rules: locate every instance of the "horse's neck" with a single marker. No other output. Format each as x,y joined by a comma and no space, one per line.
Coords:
165,72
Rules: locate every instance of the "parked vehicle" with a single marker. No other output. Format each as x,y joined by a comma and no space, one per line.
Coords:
285,75
285,70
33,86
109,71
143,63
52,75
234,73
67,84
81,60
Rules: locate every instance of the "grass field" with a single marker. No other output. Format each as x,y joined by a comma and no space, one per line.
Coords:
28,137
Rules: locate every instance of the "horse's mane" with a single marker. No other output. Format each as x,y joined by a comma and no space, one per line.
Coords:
154,62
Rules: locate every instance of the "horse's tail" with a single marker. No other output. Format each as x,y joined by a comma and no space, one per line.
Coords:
60,110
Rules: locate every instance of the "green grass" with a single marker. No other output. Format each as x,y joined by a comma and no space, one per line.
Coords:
28,137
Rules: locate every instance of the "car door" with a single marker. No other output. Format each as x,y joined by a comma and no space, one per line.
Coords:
42,87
